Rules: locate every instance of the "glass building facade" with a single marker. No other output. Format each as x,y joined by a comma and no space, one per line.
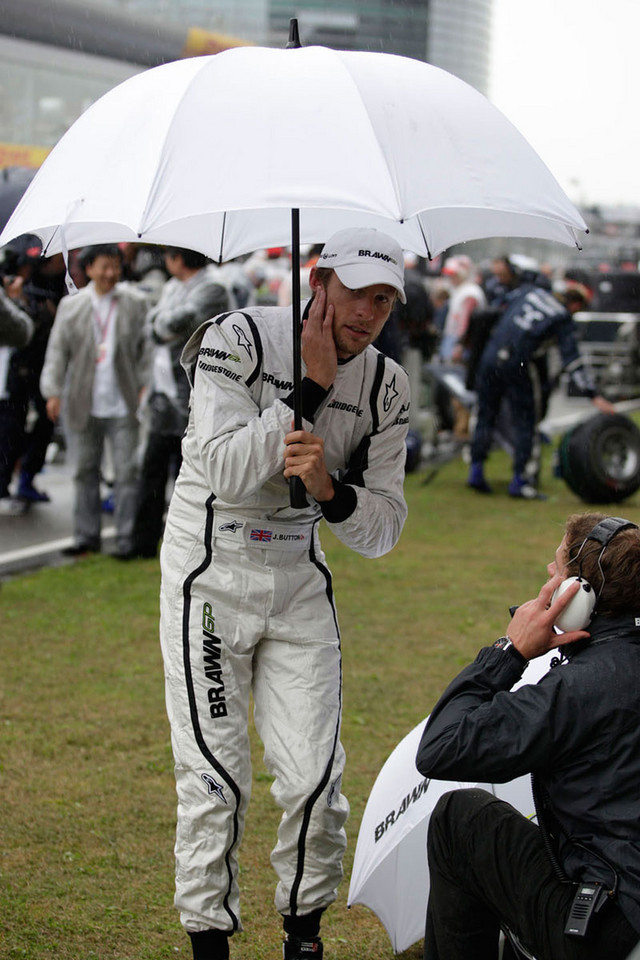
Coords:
387,26
245,19
452,34
45,83
459,39
42,91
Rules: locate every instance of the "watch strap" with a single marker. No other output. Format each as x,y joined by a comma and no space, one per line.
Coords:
507,646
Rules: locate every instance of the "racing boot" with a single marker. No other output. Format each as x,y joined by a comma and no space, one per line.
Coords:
476,479
294,948
210,945
303,940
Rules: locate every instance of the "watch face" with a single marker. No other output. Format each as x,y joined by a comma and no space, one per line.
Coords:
502,643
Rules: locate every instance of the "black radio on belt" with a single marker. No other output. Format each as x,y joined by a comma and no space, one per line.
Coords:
587,900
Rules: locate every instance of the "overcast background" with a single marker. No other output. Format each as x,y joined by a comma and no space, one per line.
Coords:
567,74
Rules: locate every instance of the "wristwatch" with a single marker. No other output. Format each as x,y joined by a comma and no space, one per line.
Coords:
506,644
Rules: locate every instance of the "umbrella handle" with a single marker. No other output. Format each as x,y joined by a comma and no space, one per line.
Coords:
297,493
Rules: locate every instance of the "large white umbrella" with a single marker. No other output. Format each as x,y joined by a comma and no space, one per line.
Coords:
256,147
390,873
213,152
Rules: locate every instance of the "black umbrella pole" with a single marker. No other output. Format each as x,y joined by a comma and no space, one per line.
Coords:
297,492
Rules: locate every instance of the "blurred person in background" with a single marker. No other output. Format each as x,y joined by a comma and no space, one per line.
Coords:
440,295
409,338
503,277
98,363
467,298
266,270
190,297
512,367
413,321
234,278
507,273
16,329
144,268
16,326
309,259
38,285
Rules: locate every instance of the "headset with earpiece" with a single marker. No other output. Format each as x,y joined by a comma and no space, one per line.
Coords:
579,611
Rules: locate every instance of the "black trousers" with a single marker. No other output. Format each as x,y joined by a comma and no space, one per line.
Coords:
488,867
38,439
163,453
518,385
16,443
12,417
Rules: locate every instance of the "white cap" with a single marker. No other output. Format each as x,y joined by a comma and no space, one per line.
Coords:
362,257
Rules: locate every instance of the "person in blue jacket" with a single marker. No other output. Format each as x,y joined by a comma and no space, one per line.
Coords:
531,320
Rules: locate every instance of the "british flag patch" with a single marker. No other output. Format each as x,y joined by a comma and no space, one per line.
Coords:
263,536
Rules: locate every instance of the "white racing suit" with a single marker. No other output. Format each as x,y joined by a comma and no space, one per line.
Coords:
247,603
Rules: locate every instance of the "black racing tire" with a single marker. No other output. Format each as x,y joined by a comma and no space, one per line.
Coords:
600,458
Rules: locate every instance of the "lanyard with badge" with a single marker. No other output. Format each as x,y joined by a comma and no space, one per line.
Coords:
102,330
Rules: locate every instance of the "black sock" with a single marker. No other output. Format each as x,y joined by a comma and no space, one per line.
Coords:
304,928
210,945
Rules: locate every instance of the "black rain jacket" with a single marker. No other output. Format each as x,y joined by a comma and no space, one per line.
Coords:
577,729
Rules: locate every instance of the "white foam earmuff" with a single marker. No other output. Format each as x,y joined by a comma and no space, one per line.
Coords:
577,614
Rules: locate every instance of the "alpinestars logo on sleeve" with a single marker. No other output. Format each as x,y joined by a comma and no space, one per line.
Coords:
390,394
213,786
243,340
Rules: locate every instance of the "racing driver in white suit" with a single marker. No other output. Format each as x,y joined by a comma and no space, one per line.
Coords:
247,601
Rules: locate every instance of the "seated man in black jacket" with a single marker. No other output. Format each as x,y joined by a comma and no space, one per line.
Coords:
578,732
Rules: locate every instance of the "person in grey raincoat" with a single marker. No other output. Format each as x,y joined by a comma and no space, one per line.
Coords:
97,364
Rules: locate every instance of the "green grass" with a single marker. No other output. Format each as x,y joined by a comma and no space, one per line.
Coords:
87,802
